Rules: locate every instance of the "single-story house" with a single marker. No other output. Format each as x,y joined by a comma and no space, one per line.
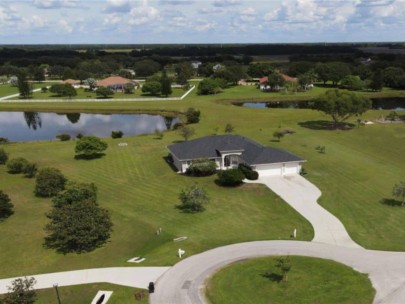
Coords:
116,83
228,151
73,82
264,86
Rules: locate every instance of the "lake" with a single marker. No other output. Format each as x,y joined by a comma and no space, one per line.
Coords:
32,126
396,104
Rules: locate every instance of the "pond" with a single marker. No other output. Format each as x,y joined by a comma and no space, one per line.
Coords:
31,126
396,104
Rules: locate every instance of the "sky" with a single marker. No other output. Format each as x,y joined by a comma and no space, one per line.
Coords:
200,21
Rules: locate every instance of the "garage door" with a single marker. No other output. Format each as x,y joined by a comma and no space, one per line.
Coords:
266,170
291,168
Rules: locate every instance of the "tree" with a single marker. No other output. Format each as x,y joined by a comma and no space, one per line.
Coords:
184,71
21,291
65,89
376,83
91,82
38,73
49,182
117,134
90,146
129,88
392,75
209,86
6,208
275,80
3,157
23,86
30,170
166,84
193,199
76,193
284,264
192,115
399,192
153,88
230,177
278,134
104,92
352,82
341,105
186,132
337,71
80,226
323,72
146,67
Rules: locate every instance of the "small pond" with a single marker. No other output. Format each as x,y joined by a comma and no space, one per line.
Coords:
397,104
31,126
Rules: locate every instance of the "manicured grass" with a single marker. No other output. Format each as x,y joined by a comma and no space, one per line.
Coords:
310,280
141,192
84,294
6,89
355,174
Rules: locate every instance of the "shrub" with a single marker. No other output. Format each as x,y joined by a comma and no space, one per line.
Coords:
17,165
177,125
202,167
231,177
63,137
159,134
193,199
44,89
79,135
30,170
229,128
104,92
75,193
193,115
3,157
117,134
3,140
248,172
49,182
6,208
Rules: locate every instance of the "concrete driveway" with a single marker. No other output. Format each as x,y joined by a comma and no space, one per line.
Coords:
302,195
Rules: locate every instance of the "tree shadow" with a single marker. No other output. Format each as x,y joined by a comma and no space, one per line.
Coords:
326,125
89,157
274,277
218,183
391,202
275,140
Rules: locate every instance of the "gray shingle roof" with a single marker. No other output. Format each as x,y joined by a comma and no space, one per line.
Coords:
210,147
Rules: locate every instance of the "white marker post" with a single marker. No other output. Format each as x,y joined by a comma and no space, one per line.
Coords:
295,233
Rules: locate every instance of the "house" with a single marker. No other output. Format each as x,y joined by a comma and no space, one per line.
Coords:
264,86
228,151
116,83
196,64
73,82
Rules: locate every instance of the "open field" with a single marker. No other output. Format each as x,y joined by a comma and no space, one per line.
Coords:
84,294
355,174
310,280
6,89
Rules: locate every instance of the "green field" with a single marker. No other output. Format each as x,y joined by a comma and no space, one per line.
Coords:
84,294
355,174
310,280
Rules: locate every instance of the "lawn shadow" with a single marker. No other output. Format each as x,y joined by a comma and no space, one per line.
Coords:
89,157
274,277
218,183
391,202
325,125
178,141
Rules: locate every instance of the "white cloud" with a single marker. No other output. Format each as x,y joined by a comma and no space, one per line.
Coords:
55,4
176,2
65,26
204,25
225,3
143,15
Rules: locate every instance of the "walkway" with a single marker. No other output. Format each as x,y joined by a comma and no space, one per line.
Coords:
127,276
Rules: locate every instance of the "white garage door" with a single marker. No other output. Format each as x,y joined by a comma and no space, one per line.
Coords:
267,170
291,168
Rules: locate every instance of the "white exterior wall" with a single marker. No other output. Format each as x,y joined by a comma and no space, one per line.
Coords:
278,169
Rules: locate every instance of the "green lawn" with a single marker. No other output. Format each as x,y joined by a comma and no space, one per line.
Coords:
6,89
310,280
84,294
355,174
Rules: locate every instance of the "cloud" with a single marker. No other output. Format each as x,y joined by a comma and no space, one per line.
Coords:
176,2
204,25
56,4
65,26
226,3
143,15
117,6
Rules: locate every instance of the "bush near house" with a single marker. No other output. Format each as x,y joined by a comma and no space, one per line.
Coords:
231,177
248,172
202,167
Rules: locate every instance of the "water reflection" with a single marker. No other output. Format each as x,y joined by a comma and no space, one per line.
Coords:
27,126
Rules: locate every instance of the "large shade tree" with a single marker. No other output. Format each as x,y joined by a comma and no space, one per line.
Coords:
341,105
90,147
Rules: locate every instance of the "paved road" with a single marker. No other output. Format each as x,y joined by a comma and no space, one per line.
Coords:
184,282
126,276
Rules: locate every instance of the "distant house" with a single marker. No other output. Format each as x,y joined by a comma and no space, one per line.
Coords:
73,82
116,83
246,82
196,64
228,151
263,81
